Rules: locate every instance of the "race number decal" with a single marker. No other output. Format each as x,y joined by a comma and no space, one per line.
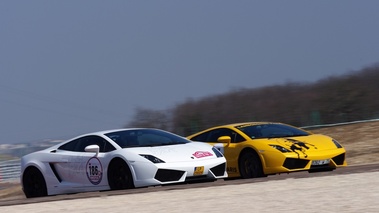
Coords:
94,170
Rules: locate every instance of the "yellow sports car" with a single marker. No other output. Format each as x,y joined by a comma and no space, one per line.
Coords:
258,149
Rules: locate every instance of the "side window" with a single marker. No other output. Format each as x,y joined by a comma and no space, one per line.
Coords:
202,137
236,138
213,135
107,147
80,144
70,146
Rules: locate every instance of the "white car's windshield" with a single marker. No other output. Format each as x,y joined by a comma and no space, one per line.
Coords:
145,137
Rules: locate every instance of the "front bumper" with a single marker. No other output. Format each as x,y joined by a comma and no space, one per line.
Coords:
169,173
289,162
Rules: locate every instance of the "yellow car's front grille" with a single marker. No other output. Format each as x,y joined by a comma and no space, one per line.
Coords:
294,163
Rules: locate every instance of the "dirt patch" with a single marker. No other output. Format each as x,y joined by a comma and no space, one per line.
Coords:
10,191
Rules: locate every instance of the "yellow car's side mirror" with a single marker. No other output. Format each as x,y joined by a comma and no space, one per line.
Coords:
224,139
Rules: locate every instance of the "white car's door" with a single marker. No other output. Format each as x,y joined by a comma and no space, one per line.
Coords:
79,167
72,166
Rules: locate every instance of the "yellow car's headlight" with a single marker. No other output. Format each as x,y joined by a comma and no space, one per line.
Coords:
280,148
338,145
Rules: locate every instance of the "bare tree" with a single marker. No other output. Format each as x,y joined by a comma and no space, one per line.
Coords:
350,97
150,119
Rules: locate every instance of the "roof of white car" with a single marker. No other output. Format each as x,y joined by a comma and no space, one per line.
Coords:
114,130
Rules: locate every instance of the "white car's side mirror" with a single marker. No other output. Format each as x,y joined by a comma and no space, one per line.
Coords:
92,148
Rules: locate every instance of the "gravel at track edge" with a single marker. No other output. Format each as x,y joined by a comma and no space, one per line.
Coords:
358,192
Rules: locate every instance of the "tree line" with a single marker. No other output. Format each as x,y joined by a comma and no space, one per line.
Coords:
350,97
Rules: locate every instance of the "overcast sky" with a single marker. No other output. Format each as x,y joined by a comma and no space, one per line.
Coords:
72,67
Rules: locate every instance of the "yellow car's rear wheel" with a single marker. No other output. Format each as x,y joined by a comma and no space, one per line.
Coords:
249,165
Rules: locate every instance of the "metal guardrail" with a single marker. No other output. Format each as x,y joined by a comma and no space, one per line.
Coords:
10,171
338,124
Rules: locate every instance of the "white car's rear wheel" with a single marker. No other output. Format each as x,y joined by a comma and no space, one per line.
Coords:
33,182
119,175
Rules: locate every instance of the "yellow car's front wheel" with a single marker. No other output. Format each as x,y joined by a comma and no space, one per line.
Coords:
249,165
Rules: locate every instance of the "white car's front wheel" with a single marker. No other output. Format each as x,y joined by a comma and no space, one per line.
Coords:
119,175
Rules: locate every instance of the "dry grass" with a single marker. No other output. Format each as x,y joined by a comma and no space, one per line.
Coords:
361,141
10,191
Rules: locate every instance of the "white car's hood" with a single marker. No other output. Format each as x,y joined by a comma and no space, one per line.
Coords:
194,151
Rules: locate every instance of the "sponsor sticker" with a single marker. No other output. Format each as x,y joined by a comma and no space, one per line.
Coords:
199,170
94,170
202,154
231,169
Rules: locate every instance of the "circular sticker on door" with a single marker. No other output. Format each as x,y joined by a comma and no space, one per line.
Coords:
94,170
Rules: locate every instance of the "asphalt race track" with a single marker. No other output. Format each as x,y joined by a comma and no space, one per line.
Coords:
229,188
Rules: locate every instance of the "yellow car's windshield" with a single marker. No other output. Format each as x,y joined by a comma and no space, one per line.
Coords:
271,130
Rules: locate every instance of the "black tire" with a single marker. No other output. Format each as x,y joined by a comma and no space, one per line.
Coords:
250,166
119,175
33,182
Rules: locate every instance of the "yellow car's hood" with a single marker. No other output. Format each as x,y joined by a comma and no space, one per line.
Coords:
310,143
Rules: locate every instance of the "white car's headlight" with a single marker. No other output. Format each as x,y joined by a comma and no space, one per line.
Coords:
152,158
217,152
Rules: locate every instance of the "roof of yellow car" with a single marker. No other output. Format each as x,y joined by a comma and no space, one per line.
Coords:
244,123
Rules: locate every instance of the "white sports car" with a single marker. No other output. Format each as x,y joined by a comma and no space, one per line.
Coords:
119,159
